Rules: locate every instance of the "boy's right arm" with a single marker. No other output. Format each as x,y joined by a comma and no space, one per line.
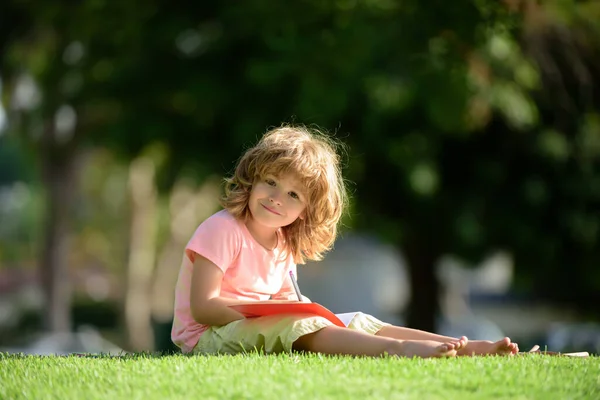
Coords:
206,304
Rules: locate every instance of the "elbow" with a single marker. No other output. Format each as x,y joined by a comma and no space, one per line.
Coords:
198,312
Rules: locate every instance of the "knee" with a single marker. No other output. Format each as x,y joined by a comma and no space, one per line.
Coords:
310,342
305,342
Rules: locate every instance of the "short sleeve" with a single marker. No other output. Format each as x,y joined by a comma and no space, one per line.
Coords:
218,239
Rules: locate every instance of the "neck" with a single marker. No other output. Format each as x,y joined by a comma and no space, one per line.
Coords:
265,236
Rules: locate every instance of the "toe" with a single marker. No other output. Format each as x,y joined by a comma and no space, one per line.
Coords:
451,353
447,350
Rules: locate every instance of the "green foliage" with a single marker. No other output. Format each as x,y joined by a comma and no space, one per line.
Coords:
13,163
20,212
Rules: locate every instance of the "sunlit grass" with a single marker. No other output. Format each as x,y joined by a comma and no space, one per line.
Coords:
304,377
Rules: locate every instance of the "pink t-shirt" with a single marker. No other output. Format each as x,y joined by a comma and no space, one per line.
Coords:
250,272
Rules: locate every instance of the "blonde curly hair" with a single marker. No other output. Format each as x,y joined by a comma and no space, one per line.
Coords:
312,157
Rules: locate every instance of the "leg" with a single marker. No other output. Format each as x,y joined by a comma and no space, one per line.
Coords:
474,347
336,340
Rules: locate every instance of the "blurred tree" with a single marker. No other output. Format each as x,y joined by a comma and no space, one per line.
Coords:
499,149
56,61
28,50
13,165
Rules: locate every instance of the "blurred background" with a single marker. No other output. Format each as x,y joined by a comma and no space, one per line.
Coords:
473,156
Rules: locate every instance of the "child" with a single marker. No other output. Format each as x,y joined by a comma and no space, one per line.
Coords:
282,206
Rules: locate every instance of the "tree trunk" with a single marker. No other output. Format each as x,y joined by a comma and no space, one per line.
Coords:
187,209
424,305
142,250
58,174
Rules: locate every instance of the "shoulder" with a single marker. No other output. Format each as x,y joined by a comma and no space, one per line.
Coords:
219,238
221,219
219,226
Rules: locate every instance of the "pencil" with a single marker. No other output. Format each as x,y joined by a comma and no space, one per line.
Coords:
296,288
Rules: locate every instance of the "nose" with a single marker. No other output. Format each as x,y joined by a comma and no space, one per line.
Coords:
275,197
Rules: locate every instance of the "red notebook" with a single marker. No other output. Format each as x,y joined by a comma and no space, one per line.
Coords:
261,309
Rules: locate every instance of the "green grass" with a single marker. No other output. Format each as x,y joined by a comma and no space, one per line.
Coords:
304,377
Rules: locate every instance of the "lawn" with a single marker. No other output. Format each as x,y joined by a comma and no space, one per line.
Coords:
254,376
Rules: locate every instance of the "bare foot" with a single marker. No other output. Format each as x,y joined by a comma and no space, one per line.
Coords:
430,348
503,347
461,343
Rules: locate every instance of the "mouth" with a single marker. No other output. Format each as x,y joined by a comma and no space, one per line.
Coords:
270,210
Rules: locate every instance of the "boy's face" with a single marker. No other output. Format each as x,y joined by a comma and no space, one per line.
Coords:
277,201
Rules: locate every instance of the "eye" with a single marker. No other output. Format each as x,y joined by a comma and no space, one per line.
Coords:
270,182
294,196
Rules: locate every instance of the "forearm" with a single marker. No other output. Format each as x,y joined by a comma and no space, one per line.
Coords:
216,311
